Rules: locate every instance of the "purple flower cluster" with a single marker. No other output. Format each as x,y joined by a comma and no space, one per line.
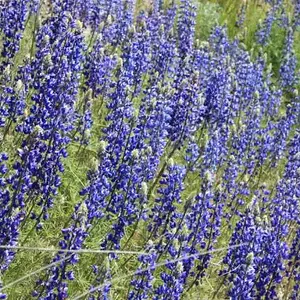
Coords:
198,148
12,25
289,78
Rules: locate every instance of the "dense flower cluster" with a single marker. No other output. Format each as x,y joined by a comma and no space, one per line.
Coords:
128,134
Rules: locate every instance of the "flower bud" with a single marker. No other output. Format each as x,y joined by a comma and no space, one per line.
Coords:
19,85
171,162
295,92
48,59
38,129
250,258
7,70
102,146
135,153
144,188
79,25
